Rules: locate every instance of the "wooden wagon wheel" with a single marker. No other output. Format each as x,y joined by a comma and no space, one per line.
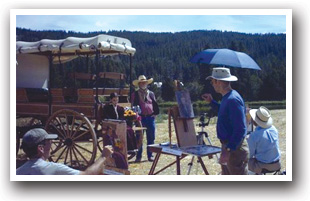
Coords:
100,144
77,142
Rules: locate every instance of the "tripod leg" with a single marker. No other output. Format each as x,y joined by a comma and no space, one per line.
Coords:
190,166
209,141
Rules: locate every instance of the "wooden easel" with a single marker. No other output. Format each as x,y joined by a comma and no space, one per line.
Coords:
185,133
186,137
184,128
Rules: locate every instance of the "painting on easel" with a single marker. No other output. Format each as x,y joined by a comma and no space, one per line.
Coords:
114,137
185,104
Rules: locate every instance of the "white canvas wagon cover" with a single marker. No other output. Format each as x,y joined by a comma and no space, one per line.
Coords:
71,47
32,58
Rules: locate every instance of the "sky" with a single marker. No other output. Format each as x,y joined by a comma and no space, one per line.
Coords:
155,23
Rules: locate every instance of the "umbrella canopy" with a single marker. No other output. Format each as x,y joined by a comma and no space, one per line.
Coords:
225,57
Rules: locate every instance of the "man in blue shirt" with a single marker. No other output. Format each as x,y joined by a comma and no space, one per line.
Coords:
231,123
263,142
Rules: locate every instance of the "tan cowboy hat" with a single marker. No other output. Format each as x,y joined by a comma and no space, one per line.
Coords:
142,78
222,74
262,117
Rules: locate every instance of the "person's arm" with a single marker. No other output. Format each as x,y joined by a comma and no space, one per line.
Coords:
215,105
98,167
155,104
209,99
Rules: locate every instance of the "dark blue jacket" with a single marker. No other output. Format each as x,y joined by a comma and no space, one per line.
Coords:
231,122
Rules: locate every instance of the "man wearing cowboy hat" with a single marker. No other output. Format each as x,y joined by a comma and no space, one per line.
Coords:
263,142
149,109
231,123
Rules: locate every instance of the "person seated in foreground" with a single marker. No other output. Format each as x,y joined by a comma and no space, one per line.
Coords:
263,142
37,145
112,110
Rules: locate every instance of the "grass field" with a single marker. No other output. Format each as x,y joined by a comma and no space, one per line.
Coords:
279,120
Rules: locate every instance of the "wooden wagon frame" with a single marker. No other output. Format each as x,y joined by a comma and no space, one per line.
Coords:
76,122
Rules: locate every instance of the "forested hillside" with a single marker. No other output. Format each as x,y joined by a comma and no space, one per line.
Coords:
165,57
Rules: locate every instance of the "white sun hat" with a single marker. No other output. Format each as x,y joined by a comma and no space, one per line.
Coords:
262,117
223,74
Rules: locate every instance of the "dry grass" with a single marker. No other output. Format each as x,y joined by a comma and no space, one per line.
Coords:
279,119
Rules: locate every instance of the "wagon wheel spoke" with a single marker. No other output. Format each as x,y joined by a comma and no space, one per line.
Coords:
78,129
82,148
61,154
59,131
81,155
68,132
77,159
62,126
57,119
58,146
70,155
67,153
57,125
72,125
82,134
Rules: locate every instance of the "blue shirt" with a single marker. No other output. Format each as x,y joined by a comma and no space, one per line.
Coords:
264,144
231,122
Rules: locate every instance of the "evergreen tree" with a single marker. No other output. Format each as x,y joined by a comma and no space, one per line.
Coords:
165,56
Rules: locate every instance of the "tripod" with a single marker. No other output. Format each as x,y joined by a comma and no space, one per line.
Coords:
200,138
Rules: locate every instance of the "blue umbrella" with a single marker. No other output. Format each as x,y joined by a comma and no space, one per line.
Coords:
225,57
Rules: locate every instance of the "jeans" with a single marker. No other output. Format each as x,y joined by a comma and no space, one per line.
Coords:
149,123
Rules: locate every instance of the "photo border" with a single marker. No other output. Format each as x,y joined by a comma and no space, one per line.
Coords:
286,12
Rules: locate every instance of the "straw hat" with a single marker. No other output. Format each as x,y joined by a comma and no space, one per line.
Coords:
142,78
222,74
262,117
